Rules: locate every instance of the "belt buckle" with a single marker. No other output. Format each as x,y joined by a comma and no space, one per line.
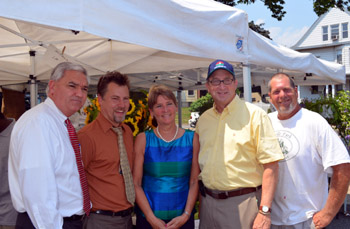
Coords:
226,194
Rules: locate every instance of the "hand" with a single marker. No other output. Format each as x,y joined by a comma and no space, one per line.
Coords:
156,223
322,219
177,222
262,221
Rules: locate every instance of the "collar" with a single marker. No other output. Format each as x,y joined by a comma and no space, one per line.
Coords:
231,107
105,124
50,103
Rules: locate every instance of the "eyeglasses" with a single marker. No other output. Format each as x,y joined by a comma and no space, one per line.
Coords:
216,82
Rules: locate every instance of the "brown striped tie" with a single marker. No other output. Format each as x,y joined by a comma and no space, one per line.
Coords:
83,181
124,164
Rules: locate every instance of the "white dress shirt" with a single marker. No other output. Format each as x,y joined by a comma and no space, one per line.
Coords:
43,175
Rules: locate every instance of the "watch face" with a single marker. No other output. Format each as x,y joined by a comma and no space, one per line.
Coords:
265,209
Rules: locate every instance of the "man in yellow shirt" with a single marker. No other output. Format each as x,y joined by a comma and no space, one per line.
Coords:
239,154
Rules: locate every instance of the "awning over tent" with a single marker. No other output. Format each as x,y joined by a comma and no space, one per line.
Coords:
153,40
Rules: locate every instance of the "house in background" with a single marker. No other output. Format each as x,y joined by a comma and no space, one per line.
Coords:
188,97
328,39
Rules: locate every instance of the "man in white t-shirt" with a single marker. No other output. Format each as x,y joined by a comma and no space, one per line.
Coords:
312,150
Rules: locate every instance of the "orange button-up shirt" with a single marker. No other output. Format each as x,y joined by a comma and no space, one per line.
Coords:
100,155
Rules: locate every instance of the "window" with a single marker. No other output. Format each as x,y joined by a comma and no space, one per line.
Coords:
314,90
345,30
190,92
339,57
335,32
325,33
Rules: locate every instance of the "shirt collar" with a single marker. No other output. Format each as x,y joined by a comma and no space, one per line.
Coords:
230,107
50,103
105,124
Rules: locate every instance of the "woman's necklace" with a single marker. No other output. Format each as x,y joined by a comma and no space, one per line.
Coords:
177,128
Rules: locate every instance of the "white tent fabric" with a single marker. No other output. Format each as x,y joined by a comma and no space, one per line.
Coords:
148,36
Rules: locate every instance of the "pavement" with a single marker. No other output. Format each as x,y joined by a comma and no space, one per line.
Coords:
341,221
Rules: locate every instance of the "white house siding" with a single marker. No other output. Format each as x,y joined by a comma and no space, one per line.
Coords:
346,59
334,16
312,42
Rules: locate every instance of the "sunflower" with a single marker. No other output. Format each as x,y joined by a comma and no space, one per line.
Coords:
133,107
150,122
138,115
133,125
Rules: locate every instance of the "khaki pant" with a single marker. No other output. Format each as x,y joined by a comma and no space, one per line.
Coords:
234,212
308,224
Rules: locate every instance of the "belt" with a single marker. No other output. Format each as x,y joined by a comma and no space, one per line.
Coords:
111,213
74,218
227,194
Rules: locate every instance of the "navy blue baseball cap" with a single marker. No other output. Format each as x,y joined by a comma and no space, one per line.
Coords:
220,64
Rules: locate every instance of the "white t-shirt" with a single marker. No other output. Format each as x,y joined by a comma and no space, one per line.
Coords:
310,147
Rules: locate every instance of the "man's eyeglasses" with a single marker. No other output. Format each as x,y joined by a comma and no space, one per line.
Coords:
216,82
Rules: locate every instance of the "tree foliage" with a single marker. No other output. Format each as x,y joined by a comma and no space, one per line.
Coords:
202,104
277,6
335,111
259,29
322,6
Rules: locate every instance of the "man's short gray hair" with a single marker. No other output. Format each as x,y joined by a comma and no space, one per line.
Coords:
58,72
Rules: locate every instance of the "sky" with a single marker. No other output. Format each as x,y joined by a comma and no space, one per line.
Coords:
298,19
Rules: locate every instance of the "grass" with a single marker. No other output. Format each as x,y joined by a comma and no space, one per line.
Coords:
186,114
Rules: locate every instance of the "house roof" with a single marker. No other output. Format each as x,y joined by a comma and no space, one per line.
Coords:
311,29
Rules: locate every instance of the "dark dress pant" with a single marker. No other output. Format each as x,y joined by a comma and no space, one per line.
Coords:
24,222
142,223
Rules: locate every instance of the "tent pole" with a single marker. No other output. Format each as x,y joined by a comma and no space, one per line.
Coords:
179,105
32,81
247,83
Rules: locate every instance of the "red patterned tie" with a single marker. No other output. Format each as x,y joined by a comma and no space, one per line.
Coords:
83,181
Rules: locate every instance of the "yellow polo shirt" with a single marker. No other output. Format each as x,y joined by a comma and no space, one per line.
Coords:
234,145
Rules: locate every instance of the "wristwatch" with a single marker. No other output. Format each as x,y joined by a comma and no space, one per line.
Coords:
265,210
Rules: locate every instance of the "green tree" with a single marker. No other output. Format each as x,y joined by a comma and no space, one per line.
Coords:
202,104
259,29
276,6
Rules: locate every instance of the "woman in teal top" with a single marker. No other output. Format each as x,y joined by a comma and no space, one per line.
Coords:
166,167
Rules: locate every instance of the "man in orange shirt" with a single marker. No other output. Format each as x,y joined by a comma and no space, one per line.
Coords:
102,156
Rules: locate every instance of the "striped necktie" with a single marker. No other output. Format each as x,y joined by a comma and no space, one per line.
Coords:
83,181
124,164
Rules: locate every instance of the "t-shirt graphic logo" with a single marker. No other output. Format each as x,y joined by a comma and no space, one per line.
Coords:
289,144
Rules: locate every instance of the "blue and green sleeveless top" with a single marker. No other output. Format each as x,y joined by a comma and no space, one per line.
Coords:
166,174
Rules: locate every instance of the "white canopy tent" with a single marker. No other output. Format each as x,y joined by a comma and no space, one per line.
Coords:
170,42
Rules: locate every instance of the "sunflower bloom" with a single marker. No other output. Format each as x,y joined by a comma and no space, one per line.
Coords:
133,107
